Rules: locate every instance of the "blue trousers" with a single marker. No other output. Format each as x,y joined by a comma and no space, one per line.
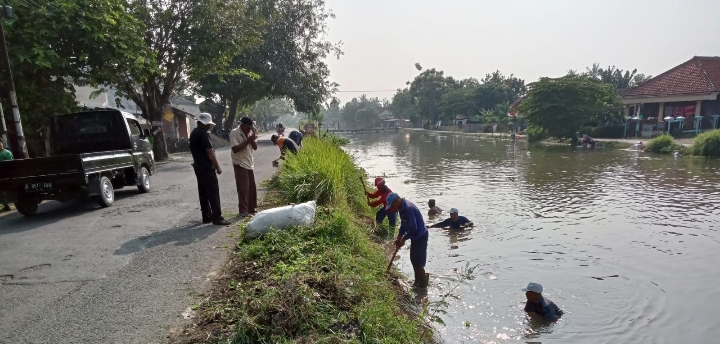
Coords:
381,214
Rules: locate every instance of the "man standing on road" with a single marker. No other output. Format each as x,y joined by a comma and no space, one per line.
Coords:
206,165
243,141
5,155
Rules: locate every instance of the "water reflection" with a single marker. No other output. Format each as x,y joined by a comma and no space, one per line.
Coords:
624,242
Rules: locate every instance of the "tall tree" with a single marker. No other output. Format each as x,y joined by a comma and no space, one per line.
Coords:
427,89
620,79
561,106
54,45
515,85
189,39
289,61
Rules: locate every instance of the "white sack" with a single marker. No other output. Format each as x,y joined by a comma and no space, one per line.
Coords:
280,218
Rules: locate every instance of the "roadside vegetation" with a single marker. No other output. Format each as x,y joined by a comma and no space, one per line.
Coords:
324,283
707,144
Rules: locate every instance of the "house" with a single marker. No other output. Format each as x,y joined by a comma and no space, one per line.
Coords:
682,100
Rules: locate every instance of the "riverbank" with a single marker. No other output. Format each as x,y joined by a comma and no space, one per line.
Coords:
319,283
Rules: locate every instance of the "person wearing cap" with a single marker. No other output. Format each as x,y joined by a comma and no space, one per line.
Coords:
284,144
412,226
455,221
206,166
434,210
243,141
381,191
539,305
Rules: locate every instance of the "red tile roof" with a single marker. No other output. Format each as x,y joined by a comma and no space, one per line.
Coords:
701,74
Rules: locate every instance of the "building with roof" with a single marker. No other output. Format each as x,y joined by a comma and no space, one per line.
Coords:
682,100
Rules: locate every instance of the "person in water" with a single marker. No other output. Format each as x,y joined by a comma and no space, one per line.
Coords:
587,140
537,305
434,210
382,191
412,226
455,221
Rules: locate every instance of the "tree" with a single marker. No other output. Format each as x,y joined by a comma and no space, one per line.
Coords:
288,63
188,39
459,102
367,117
515,85
427,89
617,77
54,45
266,111
561,106
402,106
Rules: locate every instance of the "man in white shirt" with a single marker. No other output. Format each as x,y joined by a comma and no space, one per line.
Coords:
243,141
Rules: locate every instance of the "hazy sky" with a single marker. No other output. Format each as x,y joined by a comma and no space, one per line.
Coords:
382,40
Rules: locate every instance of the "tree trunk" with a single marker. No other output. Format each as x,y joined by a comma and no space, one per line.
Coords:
159,143
231,116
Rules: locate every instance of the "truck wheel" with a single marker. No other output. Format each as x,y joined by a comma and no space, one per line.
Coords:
107,193
27,208
144,185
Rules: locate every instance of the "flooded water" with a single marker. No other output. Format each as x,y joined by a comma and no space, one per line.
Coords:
626,243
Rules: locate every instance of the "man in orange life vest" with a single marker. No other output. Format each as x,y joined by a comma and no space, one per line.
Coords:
382,191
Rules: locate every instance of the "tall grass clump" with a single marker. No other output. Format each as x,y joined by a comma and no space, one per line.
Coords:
707,144
662,144
535,133
324,283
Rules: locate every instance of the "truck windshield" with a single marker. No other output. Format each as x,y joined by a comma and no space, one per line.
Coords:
89,132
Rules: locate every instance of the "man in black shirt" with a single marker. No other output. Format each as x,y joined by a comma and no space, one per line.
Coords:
206,165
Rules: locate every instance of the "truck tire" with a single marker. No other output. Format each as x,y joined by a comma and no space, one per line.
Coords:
107,193
144,180
27,208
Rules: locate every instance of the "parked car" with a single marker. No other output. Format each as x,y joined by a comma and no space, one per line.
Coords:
94,153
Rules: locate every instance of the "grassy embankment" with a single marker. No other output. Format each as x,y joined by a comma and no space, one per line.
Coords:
324,283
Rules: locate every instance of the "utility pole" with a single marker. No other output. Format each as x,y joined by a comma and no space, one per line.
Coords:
21,146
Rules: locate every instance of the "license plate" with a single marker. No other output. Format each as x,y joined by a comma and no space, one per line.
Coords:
38,186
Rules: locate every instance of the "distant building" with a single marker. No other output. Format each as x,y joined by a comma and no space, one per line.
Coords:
683,99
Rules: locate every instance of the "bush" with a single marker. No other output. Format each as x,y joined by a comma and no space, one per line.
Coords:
707,144
662,144
535,134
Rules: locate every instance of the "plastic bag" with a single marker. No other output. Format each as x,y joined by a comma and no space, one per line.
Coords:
280,218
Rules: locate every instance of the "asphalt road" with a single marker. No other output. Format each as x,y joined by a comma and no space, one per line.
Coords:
78,273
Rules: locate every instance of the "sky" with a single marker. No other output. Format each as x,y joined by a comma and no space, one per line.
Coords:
382,40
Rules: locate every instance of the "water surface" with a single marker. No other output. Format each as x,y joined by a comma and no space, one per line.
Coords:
626,243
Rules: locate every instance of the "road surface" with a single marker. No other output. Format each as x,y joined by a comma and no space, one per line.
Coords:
77,273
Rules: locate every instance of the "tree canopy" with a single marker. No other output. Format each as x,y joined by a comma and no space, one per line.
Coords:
561,106
55,44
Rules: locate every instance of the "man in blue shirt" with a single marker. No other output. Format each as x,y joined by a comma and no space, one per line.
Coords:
412,226
455,221
538,305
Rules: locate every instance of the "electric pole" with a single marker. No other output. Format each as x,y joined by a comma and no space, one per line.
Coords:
21,146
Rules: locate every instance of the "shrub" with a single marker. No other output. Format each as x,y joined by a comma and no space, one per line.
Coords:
535,134
707,144
662,144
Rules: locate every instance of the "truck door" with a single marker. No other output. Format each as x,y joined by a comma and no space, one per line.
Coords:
140,143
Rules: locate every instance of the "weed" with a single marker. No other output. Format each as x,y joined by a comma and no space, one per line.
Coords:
707,144
662,144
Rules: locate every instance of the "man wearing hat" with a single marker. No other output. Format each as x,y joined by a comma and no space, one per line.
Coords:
538,305
455,221
381,191
206,165
412,226
243,141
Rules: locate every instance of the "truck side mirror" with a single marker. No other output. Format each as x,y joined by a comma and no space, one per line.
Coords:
146,133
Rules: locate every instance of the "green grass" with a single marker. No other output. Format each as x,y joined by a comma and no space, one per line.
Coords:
664,144
324,283
707,144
